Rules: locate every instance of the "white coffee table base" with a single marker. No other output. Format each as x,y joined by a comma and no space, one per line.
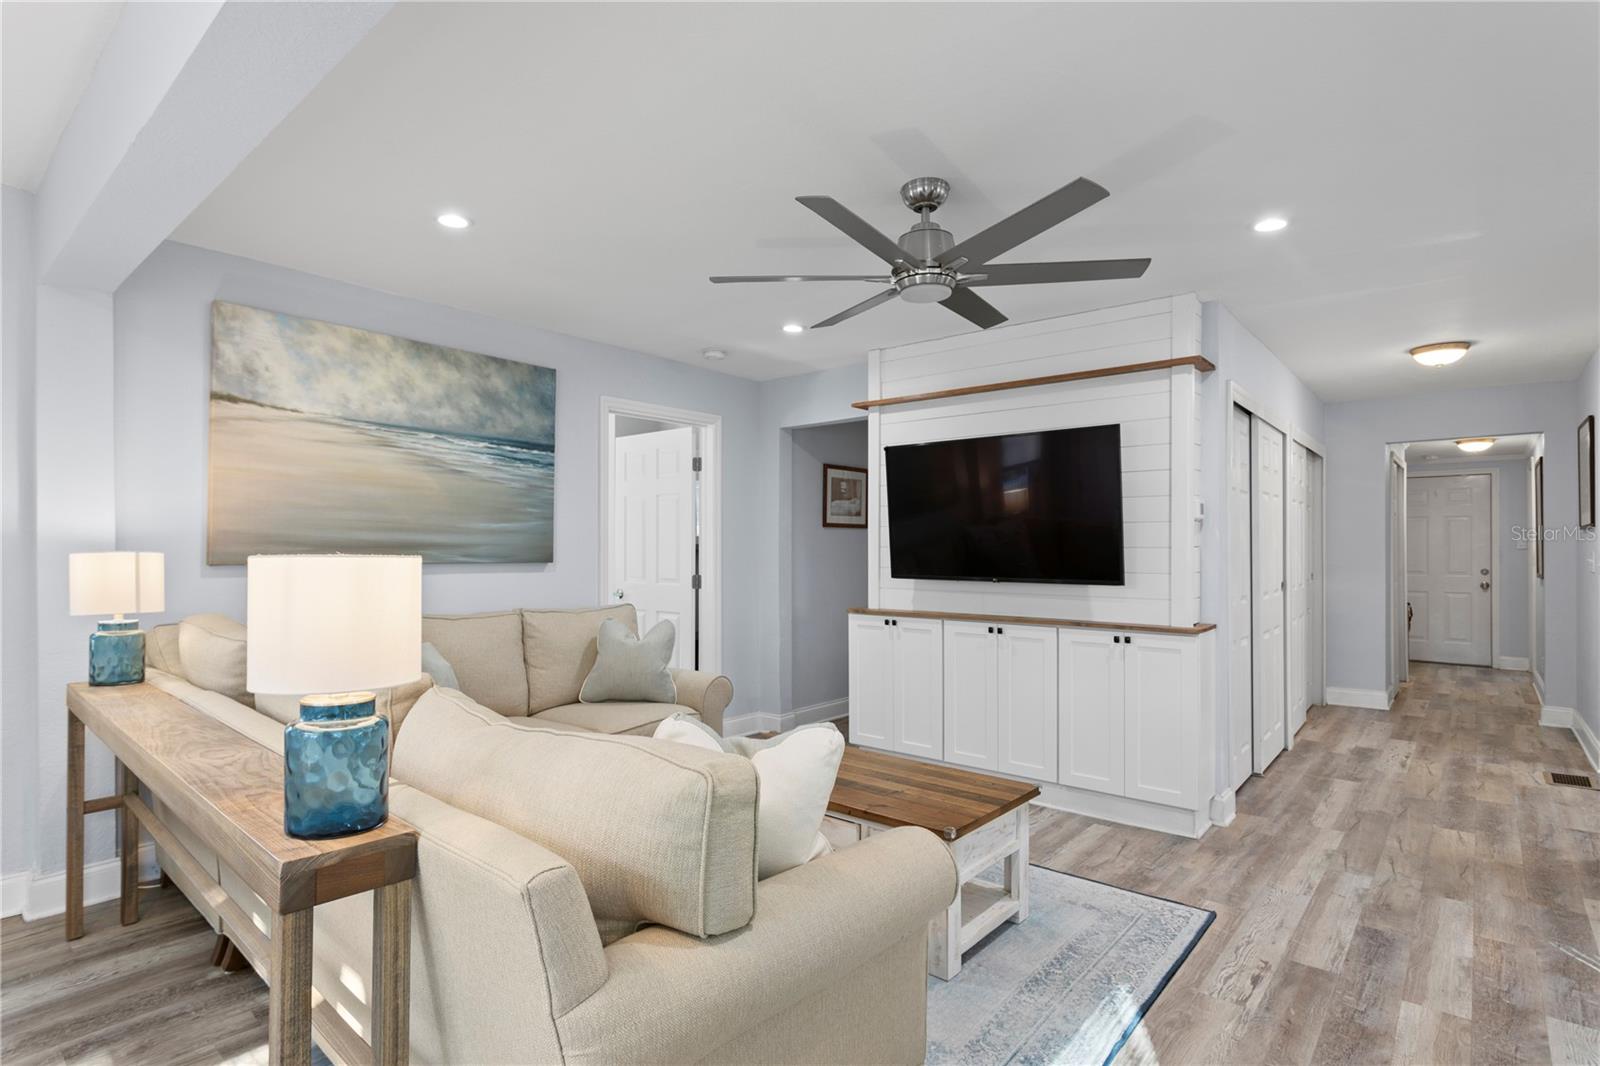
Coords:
986,904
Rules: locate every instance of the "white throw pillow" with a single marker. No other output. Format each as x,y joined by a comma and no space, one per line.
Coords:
795,772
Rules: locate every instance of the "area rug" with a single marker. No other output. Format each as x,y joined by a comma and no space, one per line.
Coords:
1069,984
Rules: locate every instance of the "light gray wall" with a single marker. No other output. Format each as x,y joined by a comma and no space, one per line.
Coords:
1513,565
628,426
805,400
828,565
18,648
162,383
1242,359
1357,435
1588,705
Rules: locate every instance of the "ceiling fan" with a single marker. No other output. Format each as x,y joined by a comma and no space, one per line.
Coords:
927,265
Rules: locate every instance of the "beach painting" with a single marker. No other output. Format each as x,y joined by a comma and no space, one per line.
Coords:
326,438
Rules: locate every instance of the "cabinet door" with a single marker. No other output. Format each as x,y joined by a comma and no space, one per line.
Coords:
1162,707
1090,749
1025,698
971,736
871,681
918,687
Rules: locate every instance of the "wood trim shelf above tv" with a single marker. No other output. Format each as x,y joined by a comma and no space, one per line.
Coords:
1023,620
1199,362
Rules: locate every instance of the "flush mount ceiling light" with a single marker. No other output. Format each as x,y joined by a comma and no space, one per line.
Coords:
1475,444
716,355
1271,224
452,220
1441,354
793,327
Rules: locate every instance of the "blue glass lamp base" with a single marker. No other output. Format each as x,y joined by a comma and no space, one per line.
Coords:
116,654
336,767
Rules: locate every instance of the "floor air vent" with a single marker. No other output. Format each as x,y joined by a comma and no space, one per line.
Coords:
1574,780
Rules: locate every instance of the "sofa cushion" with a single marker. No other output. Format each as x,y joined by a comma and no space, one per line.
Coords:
629,667
161,649
393,703
638,719
657,832
211,650
559,648
485,650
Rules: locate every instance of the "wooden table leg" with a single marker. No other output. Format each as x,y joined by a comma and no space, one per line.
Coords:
74,922
289,990
391,974
128,834
1017,868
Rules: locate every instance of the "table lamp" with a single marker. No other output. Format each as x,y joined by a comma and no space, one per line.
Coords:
116,583
335,626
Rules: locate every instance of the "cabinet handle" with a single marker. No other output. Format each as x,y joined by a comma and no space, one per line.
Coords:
1127,640
894,621
1000,629
885,621
1116,640
991,629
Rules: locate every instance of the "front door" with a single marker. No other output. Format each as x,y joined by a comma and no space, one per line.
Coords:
653,532
1449,561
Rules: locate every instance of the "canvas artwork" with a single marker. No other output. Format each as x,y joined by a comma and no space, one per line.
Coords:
844,496
327,438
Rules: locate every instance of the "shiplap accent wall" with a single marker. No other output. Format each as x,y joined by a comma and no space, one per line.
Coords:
1157,410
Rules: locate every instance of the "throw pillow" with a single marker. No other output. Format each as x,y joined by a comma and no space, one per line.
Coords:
438,667
795,772
631,668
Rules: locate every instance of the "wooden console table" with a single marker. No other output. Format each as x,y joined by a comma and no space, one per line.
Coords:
983,820
228,791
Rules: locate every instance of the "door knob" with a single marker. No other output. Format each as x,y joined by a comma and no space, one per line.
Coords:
618,594
1484,585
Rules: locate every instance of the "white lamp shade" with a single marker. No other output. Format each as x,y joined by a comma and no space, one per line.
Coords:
116,582
321,624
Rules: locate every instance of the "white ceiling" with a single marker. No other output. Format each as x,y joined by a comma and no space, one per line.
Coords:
1438,164
1519,446
47,52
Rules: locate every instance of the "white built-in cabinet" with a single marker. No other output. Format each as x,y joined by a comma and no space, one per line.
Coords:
897,679
1000,697
1118,713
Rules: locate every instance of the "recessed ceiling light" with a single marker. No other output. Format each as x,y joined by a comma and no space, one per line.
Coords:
793,327
716,355
452,220
1441,354
1475,444
1271,224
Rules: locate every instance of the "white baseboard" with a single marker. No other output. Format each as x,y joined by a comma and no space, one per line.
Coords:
1538,683
1556,717
1587,738
1223,808
1175,820
35,895
782,721
1511,662
1371,698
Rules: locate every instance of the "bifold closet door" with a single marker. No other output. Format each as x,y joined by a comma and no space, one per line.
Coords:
1269,600
1241,684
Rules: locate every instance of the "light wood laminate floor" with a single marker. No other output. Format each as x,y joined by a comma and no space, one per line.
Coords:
1401,887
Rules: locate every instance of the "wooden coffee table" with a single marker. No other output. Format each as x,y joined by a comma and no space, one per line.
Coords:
983,820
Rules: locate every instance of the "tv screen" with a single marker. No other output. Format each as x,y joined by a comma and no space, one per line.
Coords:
1041,507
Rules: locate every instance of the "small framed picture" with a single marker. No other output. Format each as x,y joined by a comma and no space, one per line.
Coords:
1538,517
1586,473
844,496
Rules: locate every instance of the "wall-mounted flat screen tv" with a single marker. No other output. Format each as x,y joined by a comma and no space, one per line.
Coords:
1043,507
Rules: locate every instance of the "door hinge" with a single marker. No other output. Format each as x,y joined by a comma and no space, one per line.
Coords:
694,582
696,465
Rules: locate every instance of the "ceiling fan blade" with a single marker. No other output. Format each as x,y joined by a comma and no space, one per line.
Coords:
974,308
865,305
856,228
723,279
1027,223
1042,273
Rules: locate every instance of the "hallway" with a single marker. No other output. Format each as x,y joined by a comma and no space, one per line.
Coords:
1401,886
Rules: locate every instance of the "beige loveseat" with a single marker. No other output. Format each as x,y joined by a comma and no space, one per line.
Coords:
584,897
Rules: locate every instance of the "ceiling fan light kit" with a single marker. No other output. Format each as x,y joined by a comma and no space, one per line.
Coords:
1442,354
927,265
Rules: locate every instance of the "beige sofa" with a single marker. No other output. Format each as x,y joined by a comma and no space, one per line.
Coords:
591,897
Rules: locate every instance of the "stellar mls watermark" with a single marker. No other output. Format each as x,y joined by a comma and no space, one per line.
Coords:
1551,534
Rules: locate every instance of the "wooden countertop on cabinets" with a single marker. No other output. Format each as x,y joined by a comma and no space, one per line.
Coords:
1024,620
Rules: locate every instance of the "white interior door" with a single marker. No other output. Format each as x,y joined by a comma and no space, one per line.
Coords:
1299,579
1269,600
1449,564
1241,715
652,531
